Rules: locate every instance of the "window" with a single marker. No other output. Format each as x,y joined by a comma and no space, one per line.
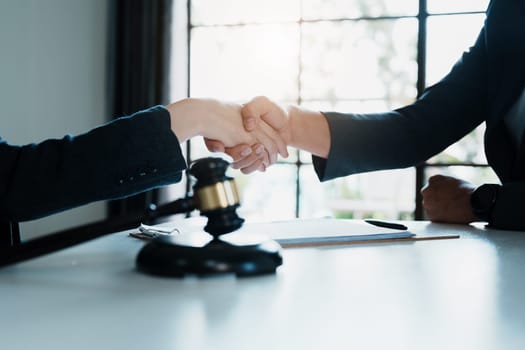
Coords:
338,55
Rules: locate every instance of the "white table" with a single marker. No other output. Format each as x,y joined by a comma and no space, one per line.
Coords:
466,293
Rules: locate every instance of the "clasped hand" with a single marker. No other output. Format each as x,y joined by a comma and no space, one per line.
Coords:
269,123
253,145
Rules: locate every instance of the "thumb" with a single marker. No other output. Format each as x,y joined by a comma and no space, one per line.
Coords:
250,116
214,145
258,108
261,107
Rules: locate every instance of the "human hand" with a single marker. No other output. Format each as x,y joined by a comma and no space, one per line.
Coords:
245,157
447,199
270,122
209,118
220,124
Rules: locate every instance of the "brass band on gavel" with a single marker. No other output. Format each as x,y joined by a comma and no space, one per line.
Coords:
218,196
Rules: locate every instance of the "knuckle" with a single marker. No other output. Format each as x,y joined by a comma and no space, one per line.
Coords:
436,178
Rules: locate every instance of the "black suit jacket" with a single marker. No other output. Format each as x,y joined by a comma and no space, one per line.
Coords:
481,87
129,155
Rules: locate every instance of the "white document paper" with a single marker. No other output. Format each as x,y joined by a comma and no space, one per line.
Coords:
324,230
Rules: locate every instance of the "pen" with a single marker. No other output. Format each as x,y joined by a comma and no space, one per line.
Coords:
385,224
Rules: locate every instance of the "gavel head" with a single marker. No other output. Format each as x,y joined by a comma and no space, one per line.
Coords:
216,195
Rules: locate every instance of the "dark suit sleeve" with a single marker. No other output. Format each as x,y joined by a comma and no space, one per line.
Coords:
127,156
507,213
444,113
408,136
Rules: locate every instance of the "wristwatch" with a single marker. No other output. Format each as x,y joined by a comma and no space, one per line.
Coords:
483,200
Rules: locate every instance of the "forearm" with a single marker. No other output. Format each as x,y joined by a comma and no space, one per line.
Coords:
405,137
309,131
118,159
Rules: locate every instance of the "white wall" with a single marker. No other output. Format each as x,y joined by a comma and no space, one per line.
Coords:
53,59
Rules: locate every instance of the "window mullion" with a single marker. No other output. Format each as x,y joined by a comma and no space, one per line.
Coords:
421,82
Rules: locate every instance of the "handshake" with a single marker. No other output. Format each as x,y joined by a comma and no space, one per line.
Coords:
253,134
